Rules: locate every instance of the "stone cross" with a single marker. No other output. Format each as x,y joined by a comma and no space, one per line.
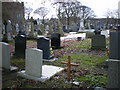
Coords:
68,69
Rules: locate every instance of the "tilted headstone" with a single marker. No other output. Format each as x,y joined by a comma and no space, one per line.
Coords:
33,63
55,41
20,46
98,42
43,44
5,57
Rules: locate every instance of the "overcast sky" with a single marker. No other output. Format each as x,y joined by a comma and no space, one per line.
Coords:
99,6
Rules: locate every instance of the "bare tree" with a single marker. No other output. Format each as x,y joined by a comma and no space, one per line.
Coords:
28,11
112,16
67,9
43,12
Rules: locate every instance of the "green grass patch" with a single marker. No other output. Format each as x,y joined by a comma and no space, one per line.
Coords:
94,80
20,63
84,61
11,42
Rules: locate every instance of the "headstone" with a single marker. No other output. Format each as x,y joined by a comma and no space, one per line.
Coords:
55,41
98,42
81,24
20,46
114,61
17,28
9,29
5,60
47,27
34,69
5,55
43,44
114,45
33,63
105,32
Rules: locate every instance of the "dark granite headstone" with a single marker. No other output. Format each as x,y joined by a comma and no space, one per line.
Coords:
114,45
114,61
43,44
55,41
98,42
20,46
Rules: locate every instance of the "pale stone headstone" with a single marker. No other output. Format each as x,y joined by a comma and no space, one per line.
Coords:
0,44
17,28
105,32
9,29
0,54
33,64
81,24
5,57
34,69
47,27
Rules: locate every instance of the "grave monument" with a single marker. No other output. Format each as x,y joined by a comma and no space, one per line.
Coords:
114,60
43,44
20,46
55,41
4,47
33,66
98,40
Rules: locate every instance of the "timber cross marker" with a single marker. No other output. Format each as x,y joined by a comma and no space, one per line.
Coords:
68,69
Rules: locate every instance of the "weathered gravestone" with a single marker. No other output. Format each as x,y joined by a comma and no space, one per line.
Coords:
20,46
114,61
9,29
43,44
55,41
33,66
98,40
5,57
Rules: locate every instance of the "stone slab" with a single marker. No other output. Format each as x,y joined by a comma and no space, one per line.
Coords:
50,60
13,68
48,71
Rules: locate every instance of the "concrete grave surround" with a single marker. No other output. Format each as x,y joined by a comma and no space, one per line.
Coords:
34,69
5,60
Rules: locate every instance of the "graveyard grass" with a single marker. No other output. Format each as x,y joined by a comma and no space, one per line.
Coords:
91,72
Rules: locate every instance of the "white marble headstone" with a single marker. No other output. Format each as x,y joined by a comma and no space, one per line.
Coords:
33,64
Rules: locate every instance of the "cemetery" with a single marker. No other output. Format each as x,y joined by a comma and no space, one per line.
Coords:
54,53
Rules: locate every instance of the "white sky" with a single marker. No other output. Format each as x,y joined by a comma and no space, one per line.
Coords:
99,6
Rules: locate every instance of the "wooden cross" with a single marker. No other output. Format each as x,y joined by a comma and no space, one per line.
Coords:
68,69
